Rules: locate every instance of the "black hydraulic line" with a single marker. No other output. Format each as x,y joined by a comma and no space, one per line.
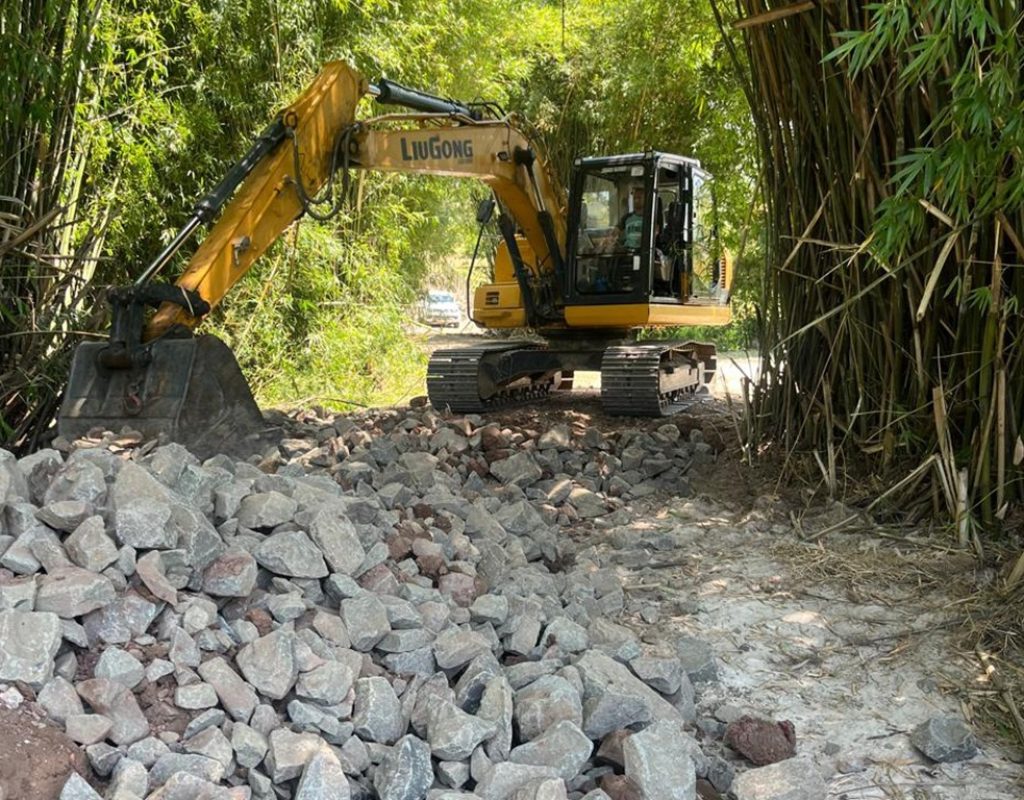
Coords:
391,93
469,275
507,226
211,203
547,227
271,136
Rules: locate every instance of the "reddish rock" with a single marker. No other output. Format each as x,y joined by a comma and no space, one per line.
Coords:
761,741
610,751
478,467
705,791
379,580
398,546
463,589
422,510
492,438
619,787
261,618
432,566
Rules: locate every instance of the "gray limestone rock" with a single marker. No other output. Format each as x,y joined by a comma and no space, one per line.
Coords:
661,674
118,665
657,760
603,675
18,594
183,651
612,711
72,591
519,469
289,752
327,684
377,713
212,743
406,771
697,659
210,718
146,751
544,703
323,779
945,739
13,485
541,789
792,779
76,787
408,641
60,700
563,746
249,744
86,729
492,608
453,734
129,780
78,479
457,647
269,663
128,616
366,621
336,536
265,510
497,706
207,769
569,636
196,536
118,704
29,640
195,696
291,553
65,515
502,781
588,504
90,547
152,571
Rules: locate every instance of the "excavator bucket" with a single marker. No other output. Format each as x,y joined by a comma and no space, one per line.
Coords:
192,391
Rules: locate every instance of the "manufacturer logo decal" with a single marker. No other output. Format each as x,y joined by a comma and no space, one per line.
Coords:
435,148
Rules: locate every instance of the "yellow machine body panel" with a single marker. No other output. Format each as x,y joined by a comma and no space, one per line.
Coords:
638,315
499,305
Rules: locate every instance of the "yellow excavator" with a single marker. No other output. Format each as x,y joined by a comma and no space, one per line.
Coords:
634,247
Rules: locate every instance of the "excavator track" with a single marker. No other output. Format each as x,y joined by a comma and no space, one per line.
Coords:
454,379
650,380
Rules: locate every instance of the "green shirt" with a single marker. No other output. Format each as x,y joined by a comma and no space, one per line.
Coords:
632,230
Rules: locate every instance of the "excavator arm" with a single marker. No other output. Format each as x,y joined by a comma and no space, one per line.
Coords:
159,379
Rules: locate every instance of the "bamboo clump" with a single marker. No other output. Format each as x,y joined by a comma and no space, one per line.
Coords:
892,330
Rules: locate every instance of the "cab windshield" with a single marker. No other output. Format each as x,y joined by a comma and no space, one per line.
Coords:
613,229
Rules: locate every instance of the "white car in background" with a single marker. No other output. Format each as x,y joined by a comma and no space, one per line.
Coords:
439,308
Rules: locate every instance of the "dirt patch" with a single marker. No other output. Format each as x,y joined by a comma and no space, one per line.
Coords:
856,638
36,757
157,703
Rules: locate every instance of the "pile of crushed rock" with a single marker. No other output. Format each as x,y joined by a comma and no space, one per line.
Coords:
385,605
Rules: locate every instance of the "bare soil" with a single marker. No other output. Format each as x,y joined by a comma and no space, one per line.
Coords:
35,757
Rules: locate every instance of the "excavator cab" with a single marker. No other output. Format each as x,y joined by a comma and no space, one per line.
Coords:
641,244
